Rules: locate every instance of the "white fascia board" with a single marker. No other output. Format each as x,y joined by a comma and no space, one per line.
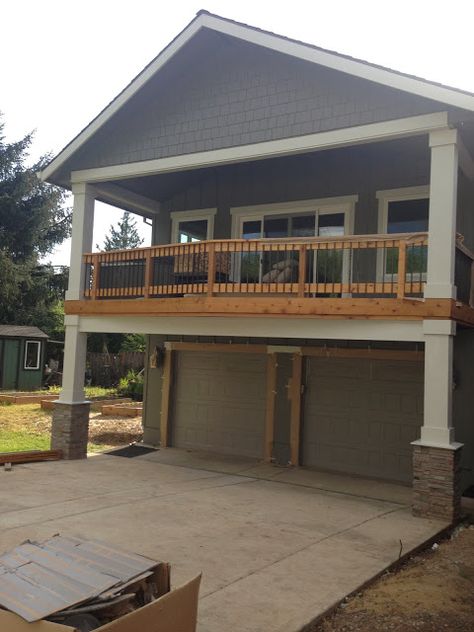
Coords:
372,132
310,328
335,61
134,202
302,51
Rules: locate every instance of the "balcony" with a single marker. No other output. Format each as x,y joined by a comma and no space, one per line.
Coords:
347,276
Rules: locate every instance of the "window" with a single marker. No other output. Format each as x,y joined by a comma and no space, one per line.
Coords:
403,211
192,230
32,355
192,226
328,217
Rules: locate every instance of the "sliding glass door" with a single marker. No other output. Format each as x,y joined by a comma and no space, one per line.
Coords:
325,266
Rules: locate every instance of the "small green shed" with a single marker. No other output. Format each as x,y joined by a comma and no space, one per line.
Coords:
21,357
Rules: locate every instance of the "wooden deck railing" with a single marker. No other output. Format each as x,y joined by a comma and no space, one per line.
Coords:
356,265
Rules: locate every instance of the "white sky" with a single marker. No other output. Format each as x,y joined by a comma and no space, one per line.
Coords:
63,61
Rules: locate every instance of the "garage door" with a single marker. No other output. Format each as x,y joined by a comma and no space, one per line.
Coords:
361,415
219,402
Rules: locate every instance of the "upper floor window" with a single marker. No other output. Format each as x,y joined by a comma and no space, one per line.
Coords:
192,226
407,216
403,211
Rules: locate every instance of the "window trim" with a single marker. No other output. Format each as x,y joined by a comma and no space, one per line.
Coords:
207,214
345,203
38,355
384,198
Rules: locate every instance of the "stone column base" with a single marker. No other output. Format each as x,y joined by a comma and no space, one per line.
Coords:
70,429
437,482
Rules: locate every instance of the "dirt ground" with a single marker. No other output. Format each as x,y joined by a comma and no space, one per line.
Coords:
432,592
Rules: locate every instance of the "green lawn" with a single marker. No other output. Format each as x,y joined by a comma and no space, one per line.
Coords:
16,441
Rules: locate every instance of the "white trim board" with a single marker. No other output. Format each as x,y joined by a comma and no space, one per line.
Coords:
329,59
372,132
345,203
310,328
196,214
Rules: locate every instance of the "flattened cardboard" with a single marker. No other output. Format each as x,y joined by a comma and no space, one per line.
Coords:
11,622
174,612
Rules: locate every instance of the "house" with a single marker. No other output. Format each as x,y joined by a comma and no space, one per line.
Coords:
308,293
21,357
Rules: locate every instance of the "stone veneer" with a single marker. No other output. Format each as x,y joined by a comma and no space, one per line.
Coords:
437,482
70,429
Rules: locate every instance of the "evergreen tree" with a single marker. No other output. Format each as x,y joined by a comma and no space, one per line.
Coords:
125,235
33,220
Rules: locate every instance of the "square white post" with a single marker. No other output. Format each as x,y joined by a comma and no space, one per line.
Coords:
69,432
436,455
81,239
437,429
442,214
74,366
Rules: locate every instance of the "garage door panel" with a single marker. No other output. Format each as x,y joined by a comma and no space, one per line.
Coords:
362,423
219,402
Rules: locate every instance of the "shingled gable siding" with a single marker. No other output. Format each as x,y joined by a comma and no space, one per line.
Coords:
220,92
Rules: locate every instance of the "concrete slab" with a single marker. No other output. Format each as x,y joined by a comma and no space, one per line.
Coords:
276,547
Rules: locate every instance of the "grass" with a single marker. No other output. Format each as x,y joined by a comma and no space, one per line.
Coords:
11,441
91,391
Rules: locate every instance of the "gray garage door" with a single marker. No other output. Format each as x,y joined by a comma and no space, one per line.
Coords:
219,402
360,416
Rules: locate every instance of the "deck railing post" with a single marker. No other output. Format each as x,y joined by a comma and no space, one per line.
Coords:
402,268
211,268
95,277
302,270
147,280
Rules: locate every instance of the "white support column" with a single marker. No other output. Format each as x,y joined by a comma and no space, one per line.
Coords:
81,242
442,214
75,349
436,455
437,430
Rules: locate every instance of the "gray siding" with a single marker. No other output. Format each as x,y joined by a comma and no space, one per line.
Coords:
152,395
356,170
220,92
465,210
463,401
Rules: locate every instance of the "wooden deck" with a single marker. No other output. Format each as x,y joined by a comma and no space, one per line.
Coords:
353,276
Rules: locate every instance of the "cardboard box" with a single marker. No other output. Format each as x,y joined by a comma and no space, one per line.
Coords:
176,611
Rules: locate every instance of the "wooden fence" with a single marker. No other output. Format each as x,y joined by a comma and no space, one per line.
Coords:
106,369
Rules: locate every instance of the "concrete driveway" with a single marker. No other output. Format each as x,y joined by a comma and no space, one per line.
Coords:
276,547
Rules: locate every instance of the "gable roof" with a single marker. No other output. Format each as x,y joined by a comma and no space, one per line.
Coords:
453,97
21,331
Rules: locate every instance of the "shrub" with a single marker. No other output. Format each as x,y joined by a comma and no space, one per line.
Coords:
131,385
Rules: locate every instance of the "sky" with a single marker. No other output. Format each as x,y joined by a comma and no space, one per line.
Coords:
63,61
